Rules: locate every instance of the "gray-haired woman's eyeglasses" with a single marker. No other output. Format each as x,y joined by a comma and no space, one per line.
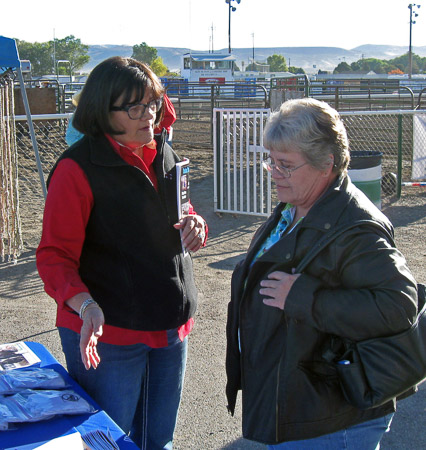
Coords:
137,111
285,172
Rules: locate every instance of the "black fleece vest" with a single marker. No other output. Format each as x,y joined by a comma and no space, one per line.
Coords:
132,260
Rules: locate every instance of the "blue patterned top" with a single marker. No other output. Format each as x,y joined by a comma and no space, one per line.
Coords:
286,219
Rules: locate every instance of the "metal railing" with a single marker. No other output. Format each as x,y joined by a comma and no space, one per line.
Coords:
298,83
194,104
355,95
367,98
199,99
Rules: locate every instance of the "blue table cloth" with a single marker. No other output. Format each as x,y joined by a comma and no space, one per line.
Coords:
31,435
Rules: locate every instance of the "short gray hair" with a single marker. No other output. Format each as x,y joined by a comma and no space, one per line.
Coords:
312,128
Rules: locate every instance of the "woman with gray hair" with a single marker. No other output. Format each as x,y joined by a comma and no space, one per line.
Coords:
280,321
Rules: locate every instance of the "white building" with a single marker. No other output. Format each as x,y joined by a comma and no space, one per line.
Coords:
209,68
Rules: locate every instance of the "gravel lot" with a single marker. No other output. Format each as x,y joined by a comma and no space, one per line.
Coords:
27,313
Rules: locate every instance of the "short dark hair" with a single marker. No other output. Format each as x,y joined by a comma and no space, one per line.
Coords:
108,81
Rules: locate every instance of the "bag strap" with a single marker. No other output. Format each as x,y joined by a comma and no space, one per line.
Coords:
421,295
329,237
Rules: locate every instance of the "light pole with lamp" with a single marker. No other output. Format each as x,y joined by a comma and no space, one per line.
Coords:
231,9
410,51
252,35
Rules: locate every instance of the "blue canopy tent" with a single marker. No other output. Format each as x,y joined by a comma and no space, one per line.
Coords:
9,60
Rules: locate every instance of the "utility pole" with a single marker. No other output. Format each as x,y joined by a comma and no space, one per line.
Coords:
410,50
252,35
212,37
54,54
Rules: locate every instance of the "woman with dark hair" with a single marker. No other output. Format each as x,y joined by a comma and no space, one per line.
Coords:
280,321
111,254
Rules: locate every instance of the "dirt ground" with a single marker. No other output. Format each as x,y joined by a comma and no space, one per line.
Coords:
26,312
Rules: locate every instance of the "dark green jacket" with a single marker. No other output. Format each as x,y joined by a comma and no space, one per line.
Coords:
358,287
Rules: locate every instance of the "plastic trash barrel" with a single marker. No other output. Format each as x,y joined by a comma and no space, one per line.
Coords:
365,171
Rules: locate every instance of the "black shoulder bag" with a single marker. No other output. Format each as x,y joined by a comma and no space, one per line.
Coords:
374,371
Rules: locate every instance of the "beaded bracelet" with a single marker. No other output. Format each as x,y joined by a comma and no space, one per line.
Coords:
84,306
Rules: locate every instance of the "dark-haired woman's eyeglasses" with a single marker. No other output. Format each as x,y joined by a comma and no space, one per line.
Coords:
285,172
137,111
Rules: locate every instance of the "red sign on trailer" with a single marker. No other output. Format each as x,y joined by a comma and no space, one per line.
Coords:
212,80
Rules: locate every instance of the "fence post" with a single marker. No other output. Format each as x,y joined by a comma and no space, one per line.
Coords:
399,182
336,98
212,102
217,146
32,132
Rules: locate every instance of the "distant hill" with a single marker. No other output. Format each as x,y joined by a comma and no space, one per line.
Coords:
172,57
324,58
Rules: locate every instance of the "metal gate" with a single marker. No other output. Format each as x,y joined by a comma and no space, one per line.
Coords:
241,186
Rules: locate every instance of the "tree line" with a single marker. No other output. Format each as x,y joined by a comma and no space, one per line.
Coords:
398,65
45,55
69,55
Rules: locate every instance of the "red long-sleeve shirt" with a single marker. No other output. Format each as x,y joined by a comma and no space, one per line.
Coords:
67,211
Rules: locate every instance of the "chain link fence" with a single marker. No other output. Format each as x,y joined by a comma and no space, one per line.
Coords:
50,136
391,133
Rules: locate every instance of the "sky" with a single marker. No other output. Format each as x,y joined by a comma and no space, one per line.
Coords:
204,24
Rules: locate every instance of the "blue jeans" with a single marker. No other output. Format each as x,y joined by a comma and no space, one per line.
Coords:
138,386
365,436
